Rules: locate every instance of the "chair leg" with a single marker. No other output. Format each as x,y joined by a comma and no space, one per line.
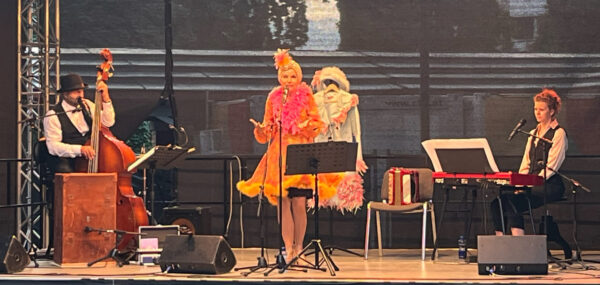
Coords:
433,225
367,231
424,231
378,232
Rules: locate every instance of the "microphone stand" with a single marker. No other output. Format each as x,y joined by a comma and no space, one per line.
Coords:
262,262
280,260
546,143
114,252
31,121
576,186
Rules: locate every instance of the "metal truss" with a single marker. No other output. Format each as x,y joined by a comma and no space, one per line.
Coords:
38,75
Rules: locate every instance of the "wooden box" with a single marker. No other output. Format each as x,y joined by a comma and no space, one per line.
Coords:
84,200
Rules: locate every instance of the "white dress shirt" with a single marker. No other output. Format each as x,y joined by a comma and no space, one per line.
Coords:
556,155
53,130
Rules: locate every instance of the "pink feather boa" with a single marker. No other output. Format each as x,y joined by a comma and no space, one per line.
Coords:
296,102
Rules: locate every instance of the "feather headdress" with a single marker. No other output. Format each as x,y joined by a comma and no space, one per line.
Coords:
284,61
282,58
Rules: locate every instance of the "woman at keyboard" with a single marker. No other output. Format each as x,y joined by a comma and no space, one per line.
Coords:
546,107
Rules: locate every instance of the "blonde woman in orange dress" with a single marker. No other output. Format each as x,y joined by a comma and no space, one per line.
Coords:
293,102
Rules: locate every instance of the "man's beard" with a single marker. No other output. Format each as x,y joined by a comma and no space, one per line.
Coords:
71,101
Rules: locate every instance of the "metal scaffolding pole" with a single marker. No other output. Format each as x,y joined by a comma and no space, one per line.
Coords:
37,77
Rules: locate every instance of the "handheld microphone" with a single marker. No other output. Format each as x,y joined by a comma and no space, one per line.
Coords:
87,229
516,129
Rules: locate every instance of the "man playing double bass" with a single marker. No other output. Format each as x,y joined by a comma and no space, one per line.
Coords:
69,126
68,130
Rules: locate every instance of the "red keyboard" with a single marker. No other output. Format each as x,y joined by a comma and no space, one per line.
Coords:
500,178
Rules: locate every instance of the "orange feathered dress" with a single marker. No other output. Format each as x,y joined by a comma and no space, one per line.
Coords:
301,124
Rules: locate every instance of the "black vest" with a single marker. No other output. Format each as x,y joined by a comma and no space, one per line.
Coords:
536,153
70,134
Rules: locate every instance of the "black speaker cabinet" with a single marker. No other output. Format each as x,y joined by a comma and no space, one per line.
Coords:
512,255
190,220
196,254
14,257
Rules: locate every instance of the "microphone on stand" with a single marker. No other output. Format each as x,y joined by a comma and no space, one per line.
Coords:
575,182
283,100
516,129
83,107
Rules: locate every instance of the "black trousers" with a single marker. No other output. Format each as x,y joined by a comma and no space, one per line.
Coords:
61,164
513,205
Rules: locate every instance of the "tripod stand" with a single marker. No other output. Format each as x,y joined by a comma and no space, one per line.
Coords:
262,262
114,252
313,159
575,186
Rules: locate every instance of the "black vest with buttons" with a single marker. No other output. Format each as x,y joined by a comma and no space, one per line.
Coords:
536,152
70,134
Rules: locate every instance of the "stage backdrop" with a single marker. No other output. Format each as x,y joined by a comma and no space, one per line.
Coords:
422,69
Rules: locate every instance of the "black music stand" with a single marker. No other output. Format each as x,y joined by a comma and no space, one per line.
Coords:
159,157
315,158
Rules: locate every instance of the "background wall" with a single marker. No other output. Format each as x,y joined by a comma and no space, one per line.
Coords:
482,60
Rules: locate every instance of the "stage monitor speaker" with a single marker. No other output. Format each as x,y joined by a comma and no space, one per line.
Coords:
196,254
14,257
190,220
512,255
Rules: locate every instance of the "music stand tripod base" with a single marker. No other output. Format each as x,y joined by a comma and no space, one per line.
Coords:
262,262
315,158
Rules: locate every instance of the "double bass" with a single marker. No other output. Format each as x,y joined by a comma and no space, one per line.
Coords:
114,156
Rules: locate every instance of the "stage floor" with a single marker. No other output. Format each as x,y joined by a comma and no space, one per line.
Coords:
397,265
